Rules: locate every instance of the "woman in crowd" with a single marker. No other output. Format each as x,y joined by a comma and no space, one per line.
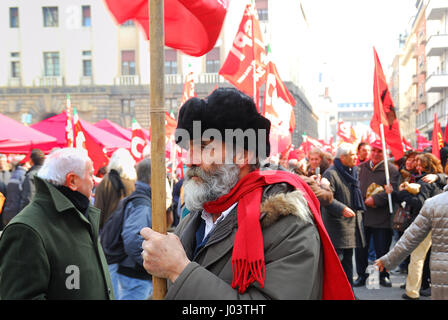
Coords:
414,193
317,159
119,182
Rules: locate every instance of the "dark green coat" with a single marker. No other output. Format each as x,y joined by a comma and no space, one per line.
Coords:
48,246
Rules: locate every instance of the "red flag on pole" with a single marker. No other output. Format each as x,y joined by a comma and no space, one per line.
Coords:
437,138
278,108
170,124
247,57
384,111
422,142
85,141
139,145
192,26
346,132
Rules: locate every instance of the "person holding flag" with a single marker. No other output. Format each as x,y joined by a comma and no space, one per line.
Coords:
377,218
251,233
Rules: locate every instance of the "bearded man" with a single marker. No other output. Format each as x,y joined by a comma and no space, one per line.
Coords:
250,234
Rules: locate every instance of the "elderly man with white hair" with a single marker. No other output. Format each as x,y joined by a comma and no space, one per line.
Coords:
343,217
50,250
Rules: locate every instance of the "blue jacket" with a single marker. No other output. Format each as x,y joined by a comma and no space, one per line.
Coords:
13,191
137,215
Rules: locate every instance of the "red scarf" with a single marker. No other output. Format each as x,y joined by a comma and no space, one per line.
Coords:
248,253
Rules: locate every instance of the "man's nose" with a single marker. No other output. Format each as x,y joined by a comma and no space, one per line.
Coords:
194,157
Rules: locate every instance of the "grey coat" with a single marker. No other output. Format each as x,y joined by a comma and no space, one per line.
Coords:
432,218
345,233
293,257
379,216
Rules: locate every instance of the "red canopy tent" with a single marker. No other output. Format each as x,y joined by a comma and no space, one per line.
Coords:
55,126
17,138
114,128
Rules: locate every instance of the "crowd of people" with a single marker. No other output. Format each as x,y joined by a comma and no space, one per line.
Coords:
251,228
359,218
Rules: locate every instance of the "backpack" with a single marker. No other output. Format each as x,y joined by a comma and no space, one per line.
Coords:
110,235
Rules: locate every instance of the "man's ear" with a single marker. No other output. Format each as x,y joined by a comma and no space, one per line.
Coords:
70,181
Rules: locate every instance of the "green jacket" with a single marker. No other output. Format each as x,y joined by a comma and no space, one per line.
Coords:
50,250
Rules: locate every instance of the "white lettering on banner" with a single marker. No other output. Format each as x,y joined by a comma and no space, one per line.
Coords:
242,40
248,28
136,141
237,53
80,140
246,73
259,72
270,82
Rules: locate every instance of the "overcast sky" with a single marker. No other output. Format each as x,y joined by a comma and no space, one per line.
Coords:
347,30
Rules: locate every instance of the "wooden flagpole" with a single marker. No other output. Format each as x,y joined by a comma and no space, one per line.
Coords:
157,116
386,167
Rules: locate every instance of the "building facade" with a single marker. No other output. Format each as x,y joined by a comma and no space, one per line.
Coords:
356,114
423,72
56,48
436,51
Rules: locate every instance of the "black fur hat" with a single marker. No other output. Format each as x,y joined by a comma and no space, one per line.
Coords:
225,108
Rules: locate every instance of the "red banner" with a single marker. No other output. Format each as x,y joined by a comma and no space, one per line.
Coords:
437,138
384,111
247,57
192,26
346,132
84,140
139,145
422,142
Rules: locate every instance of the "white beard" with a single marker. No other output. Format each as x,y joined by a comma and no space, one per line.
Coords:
211,186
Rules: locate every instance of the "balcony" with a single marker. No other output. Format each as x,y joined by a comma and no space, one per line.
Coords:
437,44
171,79
426,117
422,69
86,81
210,78
128,80
15,82
414,79
436,9
47,81
437,82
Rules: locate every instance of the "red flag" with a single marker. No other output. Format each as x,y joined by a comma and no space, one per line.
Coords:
189,91
139,144
384,111
247,52
346,132
308,143
170,125
192,26
278,108
422,142
84,140
437,138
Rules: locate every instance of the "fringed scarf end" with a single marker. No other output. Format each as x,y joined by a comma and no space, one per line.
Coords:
244,273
